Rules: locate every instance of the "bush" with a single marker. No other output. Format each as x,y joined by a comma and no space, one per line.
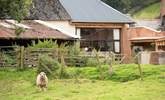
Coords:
48,65
52,67
77,61
8,58
92,62
45,44
74,49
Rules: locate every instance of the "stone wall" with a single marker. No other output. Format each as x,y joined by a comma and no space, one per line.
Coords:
48,10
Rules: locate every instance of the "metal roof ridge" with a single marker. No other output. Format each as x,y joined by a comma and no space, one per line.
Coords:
18,24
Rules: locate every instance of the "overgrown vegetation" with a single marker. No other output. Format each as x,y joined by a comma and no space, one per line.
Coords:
49,66
54,67
44,44
19,30
8,58
149,12
130,6
14,9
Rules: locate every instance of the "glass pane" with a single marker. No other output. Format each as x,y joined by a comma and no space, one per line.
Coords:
117,46
116,34
110,46
78,32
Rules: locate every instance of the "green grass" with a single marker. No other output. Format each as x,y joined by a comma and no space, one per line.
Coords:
123,85
150,12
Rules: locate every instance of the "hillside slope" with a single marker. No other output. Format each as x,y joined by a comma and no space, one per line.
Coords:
150,12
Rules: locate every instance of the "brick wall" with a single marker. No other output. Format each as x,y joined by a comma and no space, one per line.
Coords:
138,32
125,44
157,58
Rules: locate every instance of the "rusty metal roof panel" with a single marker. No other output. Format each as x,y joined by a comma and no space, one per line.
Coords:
35,31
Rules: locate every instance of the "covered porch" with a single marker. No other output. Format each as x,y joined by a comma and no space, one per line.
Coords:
105,37
148,44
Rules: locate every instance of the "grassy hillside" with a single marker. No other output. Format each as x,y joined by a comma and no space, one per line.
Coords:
150,12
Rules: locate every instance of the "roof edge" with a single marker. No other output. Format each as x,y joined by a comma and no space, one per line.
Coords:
118,11
149,28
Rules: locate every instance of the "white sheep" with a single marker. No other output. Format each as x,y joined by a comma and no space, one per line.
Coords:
42,81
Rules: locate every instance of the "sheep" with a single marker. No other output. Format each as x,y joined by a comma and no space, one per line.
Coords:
42,81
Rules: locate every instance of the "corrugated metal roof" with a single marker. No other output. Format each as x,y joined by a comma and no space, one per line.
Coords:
93,11
149,23
36,31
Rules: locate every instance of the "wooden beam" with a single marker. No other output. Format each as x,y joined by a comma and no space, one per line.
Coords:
141,41
98,25
160,43
156,47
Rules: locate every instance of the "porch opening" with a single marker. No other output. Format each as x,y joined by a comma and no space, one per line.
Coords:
101,39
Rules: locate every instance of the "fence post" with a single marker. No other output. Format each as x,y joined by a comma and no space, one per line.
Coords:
22,57
99,65
139,66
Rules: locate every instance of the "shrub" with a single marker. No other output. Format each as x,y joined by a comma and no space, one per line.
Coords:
45,44
92,62
73,52
8,58
74,49
52,67
77,61
48,65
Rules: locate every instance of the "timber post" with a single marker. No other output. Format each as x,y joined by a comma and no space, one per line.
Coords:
139,66
22,57
101,76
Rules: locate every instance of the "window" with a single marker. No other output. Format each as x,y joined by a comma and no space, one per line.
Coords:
117,46
116,38
116,34
101,39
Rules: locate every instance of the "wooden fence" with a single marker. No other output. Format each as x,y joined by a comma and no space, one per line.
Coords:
29,57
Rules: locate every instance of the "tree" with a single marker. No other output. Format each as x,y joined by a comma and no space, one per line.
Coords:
121,5
129,6
14,9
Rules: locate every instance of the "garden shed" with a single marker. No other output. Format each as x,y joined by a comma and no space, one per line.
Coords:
30,31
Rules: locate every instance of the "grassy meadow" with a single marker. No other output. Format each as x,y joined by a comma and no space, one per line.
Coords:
123,85
150,12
